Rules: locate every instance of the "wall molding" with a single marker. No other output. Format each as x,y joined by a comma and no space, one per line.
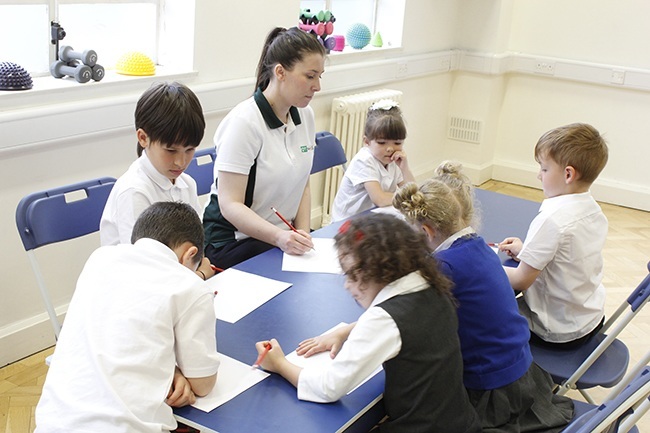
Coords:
108,107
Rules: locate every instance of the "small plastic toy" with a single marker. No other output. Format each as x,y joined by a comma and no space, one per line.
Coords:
358,36
135,63
376,40
339,42
14,77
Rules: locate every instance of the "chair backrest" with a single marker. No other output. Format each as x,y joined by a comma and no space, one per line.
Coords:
201,169
328,152
62,213
604,359
56,215
612,412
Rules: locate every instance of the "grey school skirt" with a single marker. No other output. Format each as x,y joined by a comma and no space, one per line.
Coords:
526,405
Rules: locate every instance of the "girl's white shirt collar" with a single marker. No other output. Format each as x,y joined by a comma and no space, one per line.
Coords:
451,239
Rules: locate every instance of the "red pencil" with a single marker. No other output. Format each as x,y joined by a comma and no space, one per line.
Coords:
214,268
284,220
260,358
493,244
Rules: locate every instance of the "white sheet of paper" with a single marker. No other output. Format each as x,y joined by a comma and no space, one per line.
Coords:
234,378
239,293
390,210
323,258
323,360
495,249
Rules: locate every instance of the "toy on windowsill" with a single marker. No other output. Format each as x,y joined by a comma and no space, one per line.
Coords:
14,77
80,65
135,63
321,24
358,36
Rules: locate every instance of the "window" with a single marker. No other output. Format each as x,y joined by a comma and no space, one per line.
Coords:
383,16
109,27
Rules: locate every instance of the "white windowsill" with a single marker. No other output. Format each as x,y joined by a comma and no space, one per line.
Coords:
47,89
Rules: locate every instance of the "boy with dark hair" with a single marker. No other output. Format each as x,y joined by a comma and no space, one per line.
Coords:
139,335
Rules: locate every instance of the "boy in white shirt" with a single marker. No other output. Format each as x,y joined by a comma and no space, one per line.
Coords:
139,336
169,126
560,267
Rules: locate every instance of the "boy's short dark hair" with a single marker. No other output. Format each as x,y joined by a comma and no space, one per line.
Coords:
170,113
171,223
578,145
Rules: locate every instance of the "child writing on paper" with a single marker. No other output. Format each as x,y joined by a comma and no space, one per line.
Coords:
498,367
388,272
139,336
560,269
169,126
379,167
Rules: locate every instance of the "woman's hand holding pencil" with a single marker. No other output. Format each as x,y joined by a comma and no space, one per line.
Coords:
294,242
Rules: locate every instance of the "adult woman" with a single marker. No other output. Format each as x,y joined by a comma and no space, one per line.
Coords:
264,156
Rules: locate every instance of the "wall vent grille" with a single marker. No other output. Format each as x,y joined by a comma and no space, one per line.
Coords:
465,129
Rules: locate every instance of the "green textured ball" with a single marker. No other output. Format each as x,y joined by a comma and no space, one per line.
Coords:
358,36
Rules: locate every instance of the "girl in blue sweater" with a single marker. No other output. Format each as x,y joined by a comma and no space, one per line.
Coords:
509,391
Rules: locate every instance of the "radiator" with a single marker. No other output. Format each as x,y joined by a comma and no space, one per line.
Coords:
347,122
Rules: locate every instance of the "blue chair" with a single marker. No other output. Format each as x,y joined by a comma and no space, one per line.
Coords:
603,360
202,169
618,414
327,153
57,215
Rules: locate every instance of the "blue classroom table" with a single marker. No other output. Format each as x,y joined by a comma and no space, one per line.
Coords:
313,304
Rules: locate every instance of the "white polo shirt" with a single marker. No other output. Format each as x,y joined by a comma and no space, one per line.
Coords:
137,189
136,313
284,154
352,196
565,241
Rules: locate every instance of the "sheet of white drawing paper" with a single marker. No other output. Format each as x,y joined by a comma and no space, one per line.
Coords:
239,293
323,258
323,360
390,210
234,378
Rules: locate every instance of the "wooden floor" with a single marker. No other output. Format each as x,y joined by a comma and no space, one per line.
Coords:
626,254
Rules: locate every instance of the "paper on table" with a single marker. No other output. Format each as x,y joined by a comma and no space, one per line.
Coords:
323,258
239,293
323,360
234,378
390,210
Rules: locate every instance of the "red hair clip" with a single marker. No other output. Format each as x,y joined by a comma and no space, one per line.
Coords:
358,236
344,227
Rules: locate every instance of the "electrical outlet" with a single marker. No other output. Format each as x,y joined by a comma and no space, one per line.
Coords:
618,77
402,70
542,67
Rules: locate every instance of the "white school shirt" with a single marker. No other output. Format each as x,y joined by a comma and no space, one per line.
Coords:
352,197
135,314
373,340
137,189
565,241
284,155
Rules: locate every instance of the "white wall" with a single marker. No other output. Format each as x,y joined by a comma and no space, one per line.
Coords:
467,58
